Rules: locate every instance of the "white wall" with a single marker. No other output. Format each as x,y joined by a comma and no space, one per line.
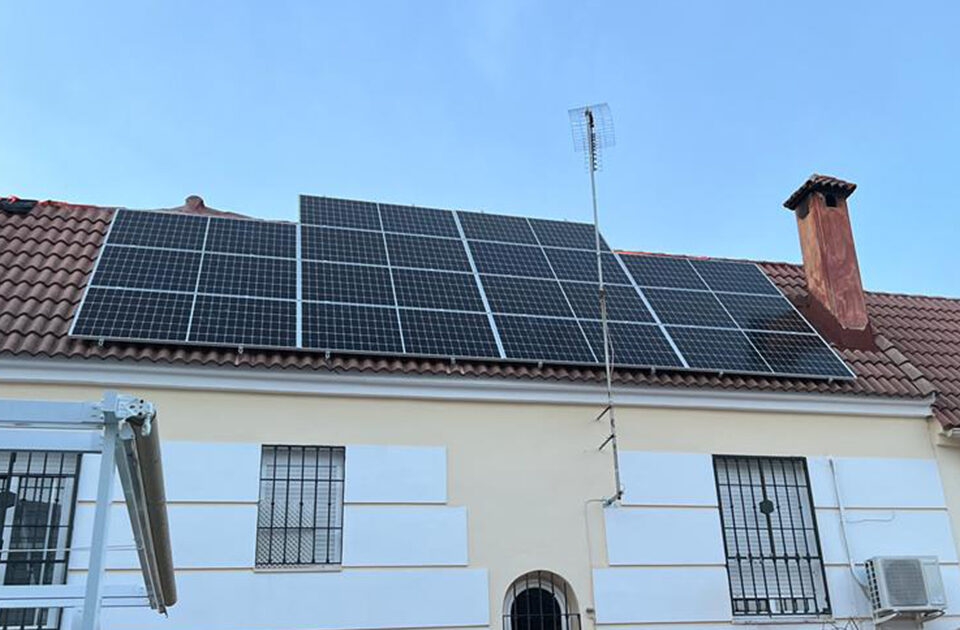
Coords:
655,478
203,536
878,482
658,535
665,545
194,471
395,474
652,594
409,549
898,532
411,535
378,598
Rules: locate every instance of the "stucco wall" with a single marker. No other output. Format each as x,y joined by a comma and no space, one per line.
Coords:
528,475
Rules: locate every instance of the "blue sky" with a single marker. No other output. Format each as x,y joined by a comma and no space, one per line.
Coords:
721,110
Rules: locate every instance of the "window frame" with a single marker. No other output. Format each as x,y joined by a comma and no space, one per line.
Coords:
332,561
813,555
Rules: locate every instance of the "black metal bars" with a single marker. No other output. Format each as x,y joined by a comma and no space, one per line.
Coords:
300,515
540,600
774,560
38,491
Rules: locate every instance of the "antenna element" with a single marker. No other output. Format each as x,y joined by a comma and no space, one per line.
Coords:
592,128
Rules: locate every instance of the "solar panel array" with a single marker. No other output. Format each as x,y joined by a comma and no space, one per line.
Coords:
362,277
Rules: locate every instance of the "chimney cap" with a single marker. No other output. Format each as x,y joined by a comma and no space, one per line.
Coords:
194,203
819,183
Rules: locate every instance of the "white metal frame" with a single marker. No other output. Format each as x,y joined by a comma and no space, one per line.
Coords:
103,427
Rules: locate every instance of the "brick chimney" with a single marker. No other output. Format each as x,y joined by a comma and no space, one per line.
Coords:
837,306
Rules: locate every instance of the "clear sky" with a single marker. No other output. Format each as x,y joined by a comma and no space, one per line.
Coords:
721,110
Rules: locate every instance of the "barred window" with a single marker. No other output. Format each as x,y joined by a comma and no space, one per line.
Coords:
540,600
300,517
38,491
774,560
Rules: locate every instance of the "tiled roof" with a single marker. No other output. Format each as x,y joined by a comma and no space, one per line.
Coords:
47,254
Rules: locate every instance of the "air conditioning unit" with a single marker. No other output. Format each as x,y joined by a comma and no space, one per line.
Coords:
905,586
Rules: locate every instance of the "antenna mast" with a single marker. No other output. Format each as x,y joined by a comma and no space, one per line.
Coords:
592,128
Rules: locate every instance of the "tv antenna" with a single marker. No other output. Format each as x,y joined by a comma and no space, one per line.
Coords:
592,128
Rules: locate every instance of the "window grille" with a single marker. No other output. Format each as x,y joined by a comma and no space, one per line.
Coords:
774,560
300,516
38,492
540,600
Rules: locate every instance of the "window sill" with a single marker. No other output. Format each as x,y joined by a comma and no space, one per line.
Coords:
306,568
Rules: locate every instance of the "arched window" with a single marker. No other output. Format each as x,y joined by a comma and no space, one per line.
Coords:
540,600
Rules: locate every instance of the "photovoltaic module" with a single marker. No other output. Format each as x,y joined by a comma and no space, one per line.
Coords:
361,277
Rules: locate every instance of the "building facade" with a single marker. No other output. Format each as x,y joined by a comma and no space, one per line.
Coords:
372,493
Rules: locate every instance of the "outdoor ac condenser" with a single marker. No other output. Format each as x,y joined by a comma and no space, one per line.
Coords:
906,586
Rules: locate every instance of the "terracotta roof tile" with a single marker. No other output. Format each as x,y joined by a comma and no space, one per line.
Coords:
48,253
821,183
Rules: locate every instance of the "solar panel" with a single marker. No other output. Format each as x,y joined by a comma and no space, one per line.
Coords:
351,328
574,264
543,339
510,260
763,313
244,322
257,238
136,315
496,227
525,296
355,284
412,220
623,302
335,245
437,290
693,308
229,274
362,277
721,275
566,234
347,213
145,268
738,313
424,252
717,349
797,354
158,229
633,344
444,333
660,271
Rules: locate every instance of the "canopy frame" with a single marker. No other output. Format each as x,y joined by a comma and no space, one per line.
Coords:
122,428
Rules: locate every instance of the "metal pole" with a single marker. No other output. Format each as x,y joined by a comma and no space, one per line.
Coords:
101,519
608,367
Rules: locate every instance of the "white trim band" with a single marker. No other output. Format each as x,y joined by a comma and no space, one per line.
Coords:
104,373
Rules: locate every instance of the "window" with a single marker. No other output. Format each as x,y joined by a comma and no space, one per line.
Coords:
300,517
540,600
774,561
38,491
